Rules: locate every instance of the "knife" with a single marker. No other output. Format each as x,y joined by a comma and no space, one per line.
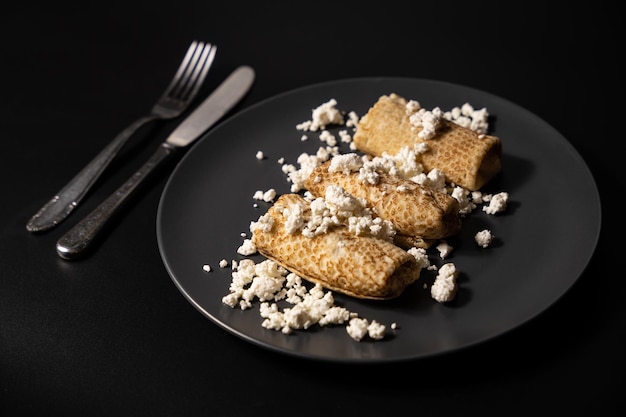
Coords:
79,238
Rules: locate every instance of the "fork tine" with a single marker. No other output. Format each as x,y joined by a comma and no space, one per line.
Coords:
191,51
190,82
179,89
199,74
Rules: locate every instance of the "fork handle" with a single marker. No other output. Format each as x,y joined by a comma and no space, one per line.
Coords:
79,238
64,202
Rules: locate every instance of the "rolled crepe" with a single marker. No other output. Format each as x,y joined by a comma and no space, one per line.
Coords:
466,158
359,266
419,214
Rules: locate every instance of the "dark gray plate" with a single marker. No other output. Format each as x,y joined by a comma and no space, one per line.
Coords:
543,241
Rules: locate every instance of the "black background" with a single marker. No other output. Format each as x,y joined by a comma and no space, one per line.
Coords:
111,335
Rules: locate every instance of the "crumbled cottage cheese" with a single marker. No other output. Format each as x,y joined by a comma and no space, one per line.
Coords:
467,116
420,256
497,203
429,121
444,249
338,207
445,286
466,204
323,115
247,248
270,284
358,328
307,164
483,238
266,196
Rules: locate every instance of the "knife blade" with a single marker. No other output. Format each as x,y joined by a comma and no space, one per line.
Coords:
78,240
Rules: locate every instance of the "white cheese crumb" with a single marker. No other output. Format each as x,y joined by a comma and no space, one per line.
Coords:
328,137
269,195
412,106
345,136
484,238
247,248
260,155
376,330
420,256
466,205
428,121
353,120
346,163
206,268
357,328
497,203
266,196
477,197
323,115
467,116
445,286
444,249
223,263
307,164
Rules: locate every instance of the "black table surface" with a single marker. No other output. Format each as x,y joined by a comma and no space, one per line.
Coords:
111,335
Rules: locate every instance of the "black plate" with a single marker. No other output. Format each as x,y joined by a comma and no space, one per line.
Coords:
543,241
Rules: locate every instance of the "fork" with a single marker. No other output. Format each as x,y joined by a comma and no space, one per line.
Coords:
172,103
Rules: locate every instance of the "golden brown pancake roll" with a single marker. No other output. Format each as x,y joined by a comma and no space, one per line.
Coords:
419,214
467,159
359,266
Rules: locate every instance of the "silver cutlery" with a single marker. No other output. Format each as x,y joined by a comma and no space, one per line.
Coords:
173,102
80,237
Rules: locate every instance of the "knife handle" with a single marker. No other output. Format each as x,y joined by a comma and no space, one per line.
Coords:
64,202
79,238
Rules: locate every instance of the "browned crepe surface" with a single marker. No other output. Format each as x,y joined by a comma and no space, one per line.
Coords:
466,158
359,266
419,214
